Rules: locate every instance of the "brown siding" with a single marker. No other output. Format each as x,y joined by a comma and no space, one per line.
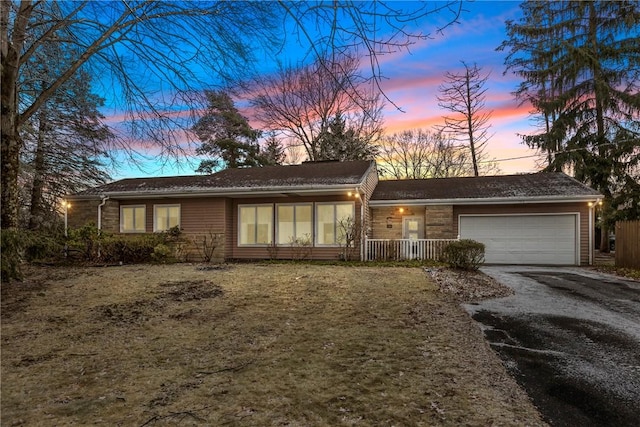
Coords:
199,218
551,208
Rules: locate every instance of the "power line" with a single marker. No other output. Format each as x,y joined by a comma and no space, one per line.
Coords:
554,153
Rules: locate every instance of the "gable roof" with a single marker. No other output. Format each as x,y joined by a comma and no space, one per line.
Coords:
310,176
543,187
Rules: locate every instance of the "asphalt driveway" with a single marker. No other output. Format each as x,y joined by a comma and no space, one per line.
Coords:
571,338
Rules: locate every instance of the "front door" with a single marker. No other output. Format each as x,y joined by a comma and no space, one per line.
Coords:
412,230
412,227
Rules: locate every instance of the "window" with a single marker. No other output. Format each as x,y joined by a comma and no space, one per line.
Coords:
328,217
294,223
166,217
255,224
132,219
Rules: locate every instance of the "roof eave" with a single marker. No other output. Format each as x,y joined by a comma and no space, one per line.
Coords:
227,192
489,200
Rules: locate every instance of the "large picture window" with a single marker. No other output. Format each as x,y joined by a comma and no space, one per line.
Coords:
328,218
166,217
294,223
256,224
133,219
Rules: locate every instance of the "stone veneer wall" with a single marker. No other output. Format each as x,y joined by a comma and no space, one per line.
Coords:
439,222
83,212
382,218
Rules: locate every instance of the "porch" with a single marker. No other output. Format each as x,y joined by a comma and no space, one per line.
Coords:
404,249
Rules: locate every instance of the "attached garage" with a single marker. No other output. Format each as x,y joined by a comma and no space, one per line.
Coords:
525,238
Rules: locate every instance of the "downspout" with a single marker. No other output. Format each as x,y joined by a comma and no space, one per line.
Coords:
363,233
102,203
590,233
104,200
592,208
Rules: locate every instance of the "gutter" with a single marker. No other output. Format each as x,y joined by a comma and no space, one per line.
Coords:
231,192
487,200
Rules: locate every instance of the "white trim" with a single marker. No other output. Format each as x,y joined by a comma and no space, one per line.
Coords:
239,226
281,191
591,227
277,222
316,223
122,230
484,201
166,205
419,218
577,257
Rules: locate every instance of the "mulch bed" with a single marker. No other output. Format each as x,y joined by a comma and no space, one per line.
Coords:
467,286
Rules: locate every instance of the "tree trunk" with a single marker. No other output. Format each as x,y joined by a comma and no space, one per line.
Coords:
10,144
36,214
470,126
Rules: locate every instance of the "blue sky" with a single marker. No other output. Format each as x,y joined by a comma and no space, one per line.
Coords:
412,79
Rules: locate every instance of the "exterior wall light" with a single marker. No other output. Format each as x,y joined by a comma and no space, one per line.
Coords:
66,206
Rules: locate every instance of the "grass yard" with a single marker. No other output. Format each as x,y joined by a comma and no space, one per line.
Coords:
247,344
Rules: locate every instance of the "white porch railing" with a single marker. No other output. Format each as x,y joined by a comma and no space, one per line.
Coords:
403,249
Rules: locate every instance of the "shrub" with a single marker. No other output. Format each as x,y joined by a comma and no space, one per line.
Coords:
301,247
161,253
86,240
11,250
96,245
43,246
207,244
131,249
464,254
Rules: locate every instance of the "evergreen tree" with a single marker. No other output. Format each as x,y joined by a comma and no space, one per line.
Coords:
227,138
273,152
342,143
580,67
64,143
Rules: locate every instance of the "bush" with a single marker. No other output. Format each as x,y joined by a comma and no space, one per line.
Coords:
43,246
11,250
86,240
18,246
207,244
96,245
161,253
130,249
464,254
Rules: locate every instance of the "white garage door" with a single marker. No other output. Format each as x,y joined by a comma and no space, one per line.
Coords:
524,239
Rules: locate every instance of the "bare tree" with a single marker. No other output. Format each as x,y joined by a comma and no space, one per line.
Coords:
154,56
420,154
304,102
463,94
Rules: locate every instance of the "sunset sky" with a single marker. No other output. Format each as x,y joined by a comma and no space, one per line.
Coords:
412,80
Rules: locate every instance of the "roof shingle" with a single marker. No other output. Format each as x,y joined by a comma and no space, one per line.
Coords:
306,175
483,187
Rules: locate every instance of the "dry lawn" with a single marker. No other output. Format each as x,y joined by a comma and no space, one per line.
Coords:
255,345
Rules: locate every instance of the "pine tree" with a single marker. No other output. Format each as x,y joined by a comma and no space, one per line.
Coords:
341,143
227,138
273,152
581,71
65,142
